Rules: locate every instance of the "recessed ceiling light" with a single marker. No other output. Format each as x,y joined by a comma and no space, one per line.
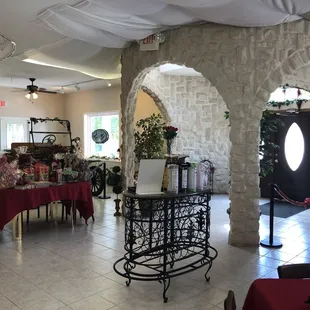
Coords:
109,84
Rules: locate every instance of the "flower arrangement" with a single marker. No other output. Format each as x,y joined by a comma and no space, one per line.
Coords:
76,168
9,174
83,169
170,132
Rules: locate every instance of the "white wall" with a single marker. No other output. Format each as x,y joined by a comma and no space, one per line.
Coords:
47,105
71,106
102,100
145,106
86,102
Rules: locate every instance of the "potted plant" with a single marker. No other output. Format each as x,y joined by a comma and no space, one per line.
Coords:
115,180
117,189
149,142
149,138
114,176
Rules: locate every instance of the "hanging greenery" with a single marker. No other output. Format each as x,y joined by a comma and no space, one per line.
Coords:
287,95
278,104
269,125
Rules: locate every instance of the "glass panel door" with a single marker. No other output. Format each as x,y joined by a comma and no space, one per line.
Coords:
13,130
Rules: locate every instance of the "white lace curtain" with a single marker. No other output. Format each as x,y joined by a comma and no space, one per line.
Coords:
107,24
111,23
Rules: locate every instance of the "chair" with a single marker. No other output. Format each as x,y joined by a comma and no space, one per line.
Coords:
38,210
294,271
229,302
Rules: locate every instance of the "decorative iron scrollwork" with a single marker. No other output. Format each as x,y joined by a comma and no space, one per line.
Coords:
167,235
200,219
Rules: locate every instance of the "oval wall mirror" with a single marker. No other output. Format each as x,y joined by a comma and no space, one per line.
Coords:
100,136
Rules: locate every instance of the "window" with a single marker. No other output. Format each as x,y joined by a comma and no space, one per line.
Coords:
294,147
107,121
13,130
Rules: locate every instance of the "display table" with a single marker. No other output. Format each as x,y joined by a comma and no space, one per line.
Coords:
165,236
14,201
275,294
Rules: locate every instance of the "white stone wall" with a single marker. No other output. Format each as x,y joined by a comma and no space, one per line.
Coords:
245,65
197,109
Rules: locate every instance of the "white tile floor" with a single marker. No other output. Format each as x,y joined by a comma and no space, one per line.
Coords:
60,268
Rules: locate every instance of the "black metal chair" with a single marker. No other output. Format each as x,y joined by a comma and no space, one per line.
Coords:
230,302
38,209
294,271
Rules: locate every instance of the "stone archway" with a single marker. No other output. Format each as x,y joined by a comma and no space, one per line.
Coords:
216,68
159,103
287,70
128,112
235,60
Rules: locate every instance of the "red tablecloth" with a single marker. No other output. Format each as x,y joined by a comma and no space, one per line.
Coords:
278,294
14,201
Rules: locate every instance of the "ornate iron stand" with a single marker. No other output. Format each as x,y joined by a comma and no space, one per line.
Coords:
166,236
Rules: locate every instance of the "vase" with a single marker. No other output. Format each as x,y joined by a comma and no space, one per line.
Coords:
169,144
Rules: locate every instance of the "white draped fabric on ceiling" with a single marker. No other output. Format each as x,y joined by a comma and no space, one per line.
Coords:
98,29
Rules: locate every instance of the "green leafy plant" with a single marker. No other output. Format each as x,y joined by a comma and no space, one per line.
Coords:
269,125
149,138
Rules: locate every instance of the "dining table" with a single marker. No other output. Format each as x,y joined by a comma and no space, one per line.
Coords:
75,196
278,294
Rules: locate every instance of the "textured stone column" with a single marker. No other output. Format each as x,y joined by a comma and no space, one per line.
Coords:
245,191
245,65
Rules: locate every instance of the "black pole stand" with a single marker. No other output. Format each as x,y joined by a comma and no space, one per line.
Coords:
271,242
104,196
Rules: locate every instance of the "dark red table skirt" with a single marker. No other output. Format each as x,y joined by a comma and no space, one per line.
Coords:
278,294
14,201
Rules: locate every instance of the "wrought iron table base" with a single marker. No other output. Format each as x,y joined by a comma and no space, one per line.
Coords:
172,240
125,268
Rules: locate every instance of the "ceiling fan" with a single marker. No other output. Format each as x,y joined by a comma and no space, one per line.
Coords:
33,90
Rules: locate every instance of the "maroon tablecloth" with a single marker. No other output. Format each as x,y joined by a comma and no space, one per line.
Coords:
14,201
278,294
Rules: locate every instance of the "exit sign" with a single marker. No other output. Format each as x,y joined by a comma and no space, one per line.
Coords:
149,44
2,103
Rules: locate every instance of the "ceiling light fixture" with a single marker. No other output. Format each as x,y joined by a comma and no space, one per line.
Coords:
32,96
109,84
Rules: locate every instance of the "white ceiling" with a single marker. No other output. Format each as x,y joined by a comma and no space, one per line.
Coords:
172,69
87,37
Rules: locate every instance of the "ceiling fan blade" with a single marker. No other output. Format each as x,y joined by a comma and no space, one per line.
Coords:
47,91
18,90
